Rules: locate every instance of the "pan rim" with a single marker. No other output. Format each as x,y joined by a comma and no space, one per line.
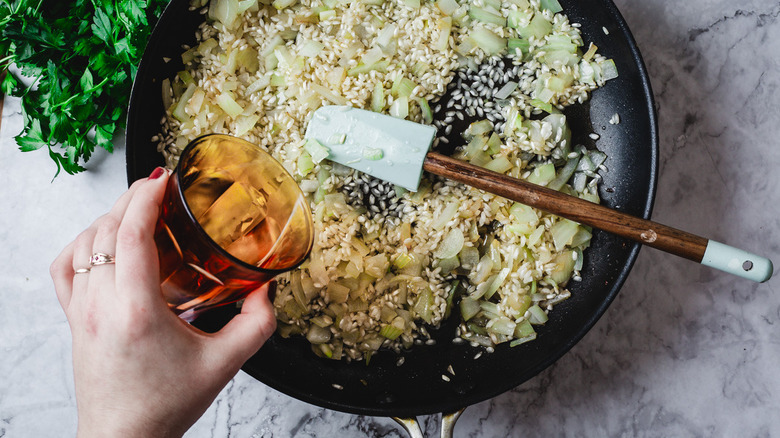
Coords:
449,405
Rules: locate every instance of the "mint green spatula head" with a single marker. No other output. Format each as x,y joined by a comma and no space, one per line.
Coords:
385,147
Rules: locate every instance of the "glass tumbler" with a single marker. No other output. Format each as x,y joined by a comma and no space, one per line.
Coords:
232,219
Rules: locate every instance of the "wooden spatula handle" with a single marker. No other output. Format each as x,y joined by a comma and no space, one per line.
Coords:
671,240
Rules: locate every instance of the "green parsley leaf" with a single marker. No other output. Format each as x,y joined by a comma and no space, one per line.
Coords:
80,57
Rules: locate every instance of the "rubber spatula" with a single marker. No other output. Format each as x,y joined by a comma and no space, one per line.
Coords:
397,151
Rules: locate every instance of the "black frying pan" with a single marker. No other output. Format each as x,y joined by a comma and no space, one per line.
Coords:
416,387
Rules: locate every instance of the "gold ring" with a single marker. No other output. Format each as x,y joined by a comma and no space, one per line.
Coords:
82,271
100,258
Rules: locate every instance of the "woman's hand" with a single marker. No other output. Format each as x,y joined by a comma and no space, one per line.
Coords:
139,369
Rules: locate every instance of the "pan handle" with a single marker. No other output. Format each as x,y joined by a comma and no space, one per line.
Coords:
448,423
448,420
411,426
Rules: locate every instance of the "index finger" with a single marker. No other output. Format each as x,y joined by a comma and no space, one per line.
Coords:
137,265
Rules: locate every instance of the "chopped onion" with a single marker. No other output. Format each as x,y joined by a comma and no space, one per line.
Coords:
328,94
317,151
449,212
551,5
427,113
500,164
488,41
609,70
562,233
445,27
447,7
372,154
506,90
378,98
486,16
310,49
451,245
400,107
229,105
537,315
469,308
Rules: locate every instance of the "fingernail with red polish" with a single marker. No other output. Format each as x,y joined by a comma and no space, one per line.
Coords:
156,173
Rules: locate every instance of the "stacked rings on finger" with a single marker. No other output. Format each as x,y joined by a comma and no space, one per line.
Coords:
97,259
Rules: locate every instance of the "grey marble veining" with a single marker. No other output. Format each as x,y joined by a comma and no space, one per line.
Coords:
683,351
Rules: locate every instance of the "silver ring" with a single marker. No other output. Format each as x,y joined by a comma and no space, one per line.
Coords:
100,258
82,271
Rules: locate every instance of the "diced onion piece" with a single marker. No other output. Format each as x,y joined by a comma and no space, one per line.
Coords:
564,265
488,41
386,41
306,165
609,70
378,98
281,4
501,326
469,308
483,269
539,27
497,282
180,111
590,53
544,106
486,16
448,265
469,257
542,174
327,15
318,335
337,293
206,46
562,233
537,315
523,213
317,151
506,90
377,265
449,212
447,7
551,5
427,113
167,93
515,44
401,261
564,174
245,124
500,164
391,332
224,11
229,105
451,245
423,308
445,29
400,107
311,48
372,154
328,94
337,139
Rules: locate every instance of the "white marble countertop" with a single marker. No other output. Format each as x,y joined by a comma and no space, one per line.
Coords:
683,351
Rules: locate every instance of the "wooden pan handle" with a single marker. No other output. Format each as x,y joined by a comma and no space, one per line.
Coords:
647,232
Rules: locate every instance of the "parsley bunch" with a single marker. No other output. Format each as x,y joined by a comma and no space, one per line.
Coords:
80,58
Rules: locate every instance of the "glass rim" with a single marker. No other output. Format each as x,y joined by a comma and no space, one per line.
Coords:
199,229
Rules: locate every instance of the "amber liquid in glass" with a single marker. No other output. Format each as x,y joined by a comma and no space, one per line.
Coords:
257,220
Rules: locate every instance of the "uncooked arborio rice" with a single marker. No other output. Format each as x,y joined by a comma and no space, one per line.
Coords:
368,273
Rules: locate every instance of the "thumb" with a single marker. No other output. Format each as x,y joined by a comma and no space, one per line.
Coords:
237,341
